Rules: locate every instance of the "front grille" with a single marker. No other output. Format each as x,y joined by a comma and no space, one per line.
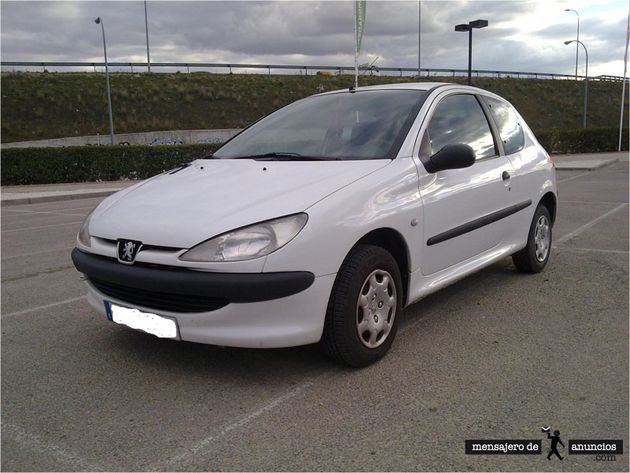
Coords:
159,300
145,246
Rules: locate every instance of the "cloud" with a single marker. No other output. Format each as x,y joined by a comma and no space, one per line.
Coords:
522,35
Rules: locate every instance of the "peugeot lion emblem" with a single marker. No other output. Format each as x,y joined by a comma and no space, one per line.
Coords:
128,250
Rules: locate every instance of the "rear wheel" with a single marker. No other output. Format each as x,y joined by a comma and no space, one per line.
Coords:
533,258
364,307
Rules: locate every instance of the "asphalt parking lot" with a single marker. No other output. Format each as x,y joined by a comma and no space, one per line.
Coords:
498,355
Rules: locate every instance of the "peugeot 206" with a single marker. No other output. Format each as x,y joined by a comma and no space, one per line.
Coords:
323,220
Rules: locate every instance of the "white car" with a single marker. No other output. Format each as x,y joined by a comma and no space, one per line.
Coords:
321,221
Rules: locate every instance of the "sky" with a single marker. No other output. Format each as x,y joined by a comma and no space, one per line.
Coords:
522,35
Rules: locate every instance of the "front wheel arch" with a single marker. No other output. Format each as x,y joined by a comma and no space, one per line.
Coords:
394,243
550,201
348,321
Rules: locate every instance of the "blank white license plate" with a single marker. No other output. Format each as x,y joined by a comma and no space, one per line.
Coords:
154,324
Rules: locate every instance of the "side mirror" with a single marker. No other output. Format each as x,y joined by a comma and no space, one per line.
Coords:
456,156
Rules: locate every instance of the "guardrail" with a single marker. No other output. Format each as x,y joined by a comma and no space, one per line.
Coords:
338,70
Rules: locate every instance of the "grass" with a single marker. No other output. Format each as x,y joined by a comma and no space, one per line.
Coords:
41,105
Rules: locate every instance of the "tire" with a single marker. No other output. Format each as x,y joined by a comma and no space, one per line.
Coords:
367,291
534,257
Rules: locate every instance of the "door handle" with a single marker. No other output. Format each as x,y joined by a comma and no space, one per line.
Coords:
505,176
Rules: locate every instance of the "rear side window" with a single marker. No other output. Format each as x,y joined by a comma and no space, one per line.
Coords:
508,123
459,119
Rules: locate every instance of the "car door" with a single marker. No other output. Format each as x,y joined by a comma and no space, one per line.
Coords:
525,181
462,207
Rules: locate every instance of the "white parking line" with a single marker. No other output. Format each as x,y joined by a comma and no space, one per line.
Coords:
38,445
592,181
40,227
588,225
243,421
90,207
594,202
41,307
594,250
24,255
566,179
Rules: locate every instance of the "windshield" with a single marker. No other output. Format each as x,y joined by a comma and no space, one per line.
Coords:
367,124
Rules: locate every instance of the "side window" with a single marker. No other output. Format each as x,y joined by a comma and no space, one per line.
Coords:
460,119
508,123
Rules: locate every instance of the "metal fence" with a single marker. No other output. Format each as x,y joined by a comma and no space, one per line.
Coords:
276,68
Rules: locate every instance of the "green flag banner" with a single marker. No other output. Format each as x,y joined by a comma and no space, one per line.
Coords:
359,18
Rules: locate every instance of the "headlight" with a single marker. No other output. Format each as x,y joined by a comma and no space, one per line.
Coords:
84,233
249,242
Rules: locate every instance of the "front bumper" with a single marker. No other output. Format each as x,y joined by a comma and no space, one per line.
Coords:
261,310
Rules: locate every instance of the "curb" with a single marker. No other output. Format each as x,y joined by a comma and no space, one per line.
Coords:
55,198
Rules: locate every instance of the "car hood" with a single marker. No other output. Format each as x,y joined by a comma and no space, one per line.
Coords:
183,208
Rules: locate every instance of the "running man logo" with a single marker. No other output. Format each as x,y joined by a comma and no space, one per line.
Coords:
555,440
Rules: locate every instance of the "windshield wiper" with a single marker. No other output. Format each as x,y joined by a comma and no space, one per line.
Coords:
283,157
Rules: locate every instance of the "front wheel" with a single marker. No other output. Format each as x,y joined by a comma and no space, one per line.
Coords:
533,258
364,307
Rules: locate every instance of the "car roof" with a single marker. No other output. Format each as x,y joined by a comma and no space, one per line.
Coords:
425,86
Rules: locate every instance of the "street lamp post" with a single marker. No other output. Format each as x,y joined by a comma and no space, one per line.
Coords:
98,21
577,46
469,27
146,29
585,79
